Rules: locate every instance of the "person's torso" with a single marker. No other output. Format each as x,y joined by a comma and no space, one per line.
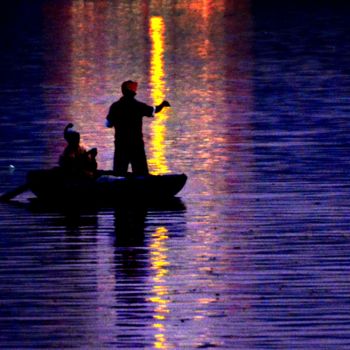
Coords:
127,119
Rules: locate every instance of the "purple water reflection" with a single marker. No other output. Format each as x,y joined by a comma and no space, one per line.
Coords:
255,256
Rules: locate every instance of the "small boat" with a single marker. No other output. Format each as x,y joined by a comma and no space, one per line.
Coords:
53,186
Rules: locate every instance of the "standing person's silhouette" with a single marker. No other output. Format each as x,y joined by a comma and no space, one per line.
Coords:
125,115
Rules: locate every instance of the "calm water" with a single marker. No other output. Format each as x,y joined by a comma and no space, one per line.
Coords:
255,254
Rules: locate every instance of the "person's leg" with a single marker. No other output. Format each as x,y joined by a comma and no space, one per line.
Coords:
121,161
139,161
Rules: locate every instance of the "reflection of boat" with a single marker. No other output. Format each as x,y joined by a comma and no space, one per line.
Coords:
52,186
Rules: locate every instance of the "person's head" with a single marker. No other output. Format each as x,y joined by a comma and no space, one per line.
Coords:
71,136
129,88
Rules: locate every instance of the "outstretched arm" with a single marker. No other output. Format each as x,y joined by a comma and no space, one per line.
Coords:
111,116
161,106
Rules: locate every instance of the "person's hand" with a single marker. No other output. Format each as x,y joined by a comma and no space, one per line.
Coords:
93,152
165,104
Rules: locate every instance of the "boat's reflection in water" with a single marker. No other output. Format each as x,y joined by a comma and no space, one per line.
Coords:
130,292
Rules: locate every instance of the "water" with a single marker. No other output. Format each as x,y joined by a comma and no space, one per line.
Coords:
255,253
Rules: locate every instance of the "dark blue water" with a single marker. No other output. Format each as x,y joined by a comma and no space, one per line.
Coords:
254,253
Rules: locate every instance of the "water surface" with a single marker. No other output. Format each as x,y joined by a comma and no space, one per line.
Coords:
254,255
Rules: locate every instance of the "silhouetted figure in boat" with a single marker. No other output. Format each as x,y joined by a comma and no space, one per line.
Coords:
76,160
125,115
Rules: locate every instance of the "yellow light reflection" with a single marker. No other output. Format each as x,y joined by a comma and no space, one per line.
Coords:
157,161
160,292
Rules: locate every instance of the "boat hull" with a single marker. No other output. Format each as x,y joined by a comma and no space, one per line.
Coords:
51,185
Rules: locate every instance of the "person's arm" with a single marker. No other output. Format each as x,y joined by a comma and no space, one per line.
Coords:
108,124
110,116
161,106
108,121
149,111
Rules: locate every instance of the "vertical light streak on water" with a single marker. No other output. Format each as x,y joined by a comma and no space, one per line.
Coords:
90,75
160,292
203,50
205,145
83,62
206,7
158,161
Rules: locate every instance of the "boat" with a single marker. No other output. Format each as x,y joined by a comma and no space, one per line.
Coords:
107,188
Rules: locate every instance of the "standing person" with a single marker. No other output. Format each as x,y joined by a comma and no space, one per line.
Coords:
125,115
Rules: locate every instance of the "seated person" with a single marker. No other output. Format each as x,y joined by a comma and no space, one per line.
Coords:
75,159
